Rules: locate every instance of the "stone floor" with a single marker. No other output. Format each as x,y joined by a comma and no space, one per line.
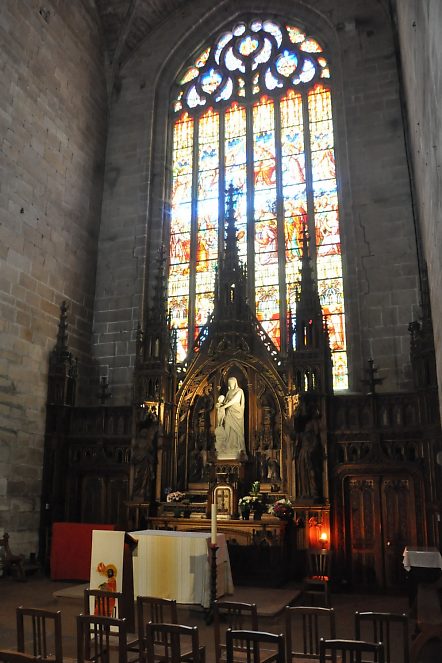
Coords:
42,592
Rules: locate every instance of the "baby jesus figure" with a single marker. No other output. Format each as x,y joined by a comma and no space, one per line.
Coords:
220,411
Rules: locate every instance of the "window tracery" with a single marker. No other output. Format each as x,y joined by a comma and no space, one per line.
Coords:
254,110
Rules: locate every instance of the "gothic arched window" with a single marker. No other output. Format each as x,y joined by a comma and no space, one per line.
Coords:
254,109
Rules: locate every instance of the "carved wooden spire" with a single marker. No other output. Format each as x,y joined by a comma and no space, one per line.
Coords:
309,318
62,375
231,300
311,358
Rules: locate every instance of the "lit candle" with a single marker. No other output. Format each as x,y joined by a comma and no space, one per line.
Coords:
213,529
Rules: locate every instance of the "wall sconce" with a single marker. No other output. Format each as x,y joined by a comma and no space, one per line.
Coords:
323,538
318,532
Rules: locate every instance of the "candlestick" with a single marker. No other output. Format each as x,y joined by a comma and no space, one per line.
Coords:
212,560
214,526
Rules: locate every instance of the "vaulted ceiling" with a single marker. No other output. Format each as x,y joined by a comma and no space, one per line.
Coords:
126,23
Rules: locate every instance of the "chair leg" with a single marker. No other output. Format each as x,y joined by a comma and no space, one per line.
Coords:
327,596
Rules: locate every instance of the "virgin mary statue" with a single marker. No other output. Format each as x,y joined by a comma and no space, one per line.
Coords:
229,432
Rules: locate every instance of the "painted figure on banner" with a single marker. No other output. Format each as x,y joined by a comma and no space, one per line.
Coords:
107,608
229,432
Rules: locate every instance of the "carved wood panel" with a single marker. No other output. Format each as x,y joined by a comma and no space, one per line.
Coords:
381,521
399,524
92,497
363,529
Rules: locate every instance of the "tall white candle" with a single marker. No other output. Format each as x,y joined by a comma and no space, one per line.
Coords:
214,525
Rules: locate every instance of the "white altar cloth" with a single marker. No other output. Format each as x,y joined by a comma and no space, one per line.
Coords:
428,558
175,565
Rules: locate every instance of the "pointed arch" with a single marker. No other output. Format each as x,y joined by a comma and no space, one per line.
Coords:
254,108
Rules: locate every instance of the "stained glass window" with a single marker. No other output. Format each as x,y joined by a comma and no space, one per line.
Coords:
254,109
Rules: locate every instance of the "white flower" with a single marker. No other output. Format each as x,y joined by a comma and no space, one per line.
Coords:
176,496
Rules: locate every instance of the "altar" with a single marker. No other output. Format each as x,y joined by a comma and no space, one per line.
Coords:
175,565
423,565
422,557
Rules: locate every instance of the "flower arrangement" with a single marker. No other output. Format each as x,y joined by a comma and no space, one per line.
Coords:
245,503
282,509
175,496
254,501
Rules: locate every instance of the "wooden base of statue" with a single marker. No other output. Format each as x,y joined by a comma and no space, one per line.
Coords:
230,470
138,514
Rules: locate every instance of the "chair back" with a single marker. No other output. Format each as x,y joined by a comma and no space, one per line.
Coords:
315,587
182,643
8,656
235,615
104,603
350,651
97,635
157,611
39,631
304,627
253,650
318,564
386,627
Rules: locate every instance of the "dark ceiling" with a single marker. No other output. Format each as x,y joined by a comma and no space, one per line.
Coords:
126,23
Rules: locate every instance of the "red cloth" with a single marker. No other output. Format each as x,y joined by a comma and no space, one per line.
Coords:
71,550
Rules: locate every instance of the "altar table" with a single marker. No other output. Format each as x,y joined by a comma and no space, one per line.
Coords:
423,565
175,565
428,558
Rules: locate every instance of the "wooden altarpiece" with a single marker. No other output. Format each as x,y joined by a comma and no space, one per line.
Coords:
116,464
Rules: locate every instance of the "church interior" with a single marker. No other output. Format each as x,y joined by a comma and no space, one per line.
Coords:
220,260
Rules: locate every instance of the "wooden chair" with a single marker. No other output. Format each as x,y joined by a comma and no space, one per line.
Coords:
8,656
41,630
157,611
252,650
234,615
96,635
309,624
13,563
315,586
182,643
350,651
105,603
387,628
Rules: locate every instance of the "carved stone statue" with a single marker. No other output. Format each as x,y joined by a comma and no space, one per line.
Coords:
308,455
196,464
144,458
229,432
273,470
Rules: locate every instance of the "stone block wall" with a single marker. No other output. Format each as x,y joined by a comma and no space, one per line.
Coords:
378,235
53,115
421,56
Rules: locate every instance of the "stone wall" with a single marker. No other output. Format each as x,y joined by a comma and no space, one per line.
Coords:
380,261
421,56
53,114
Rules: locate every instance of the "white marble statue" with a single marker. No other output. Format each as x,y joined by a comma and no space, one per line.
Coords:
229,431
